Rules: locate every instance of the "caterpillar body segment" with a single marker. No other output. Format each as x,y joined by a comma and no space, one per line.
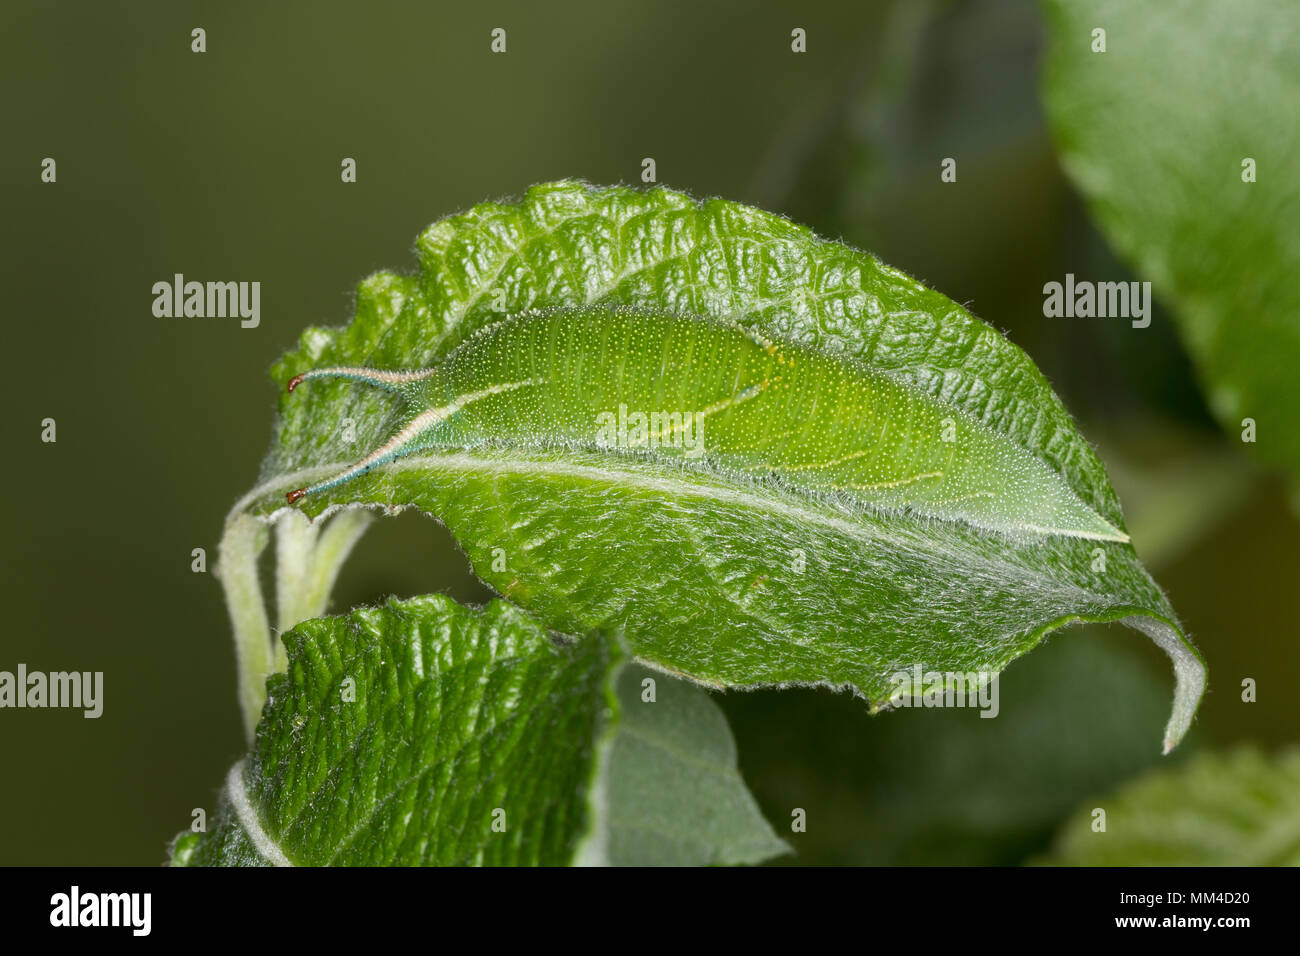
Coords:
649,383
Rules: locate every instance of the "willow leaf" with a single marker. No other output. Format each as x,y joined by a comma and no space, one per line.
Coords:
708,571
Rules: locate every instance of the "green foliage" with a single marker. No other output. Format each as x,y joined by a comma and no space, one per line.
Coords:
673,795
1236,809
725,580
423,733
1155,132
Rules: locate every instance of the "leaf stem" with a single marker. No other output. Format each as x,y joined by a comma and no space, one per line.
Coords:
309,555
241,545
308,560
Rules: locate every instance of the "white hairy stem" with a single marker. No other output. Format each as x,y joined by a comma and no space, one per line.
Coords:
241,545
309,555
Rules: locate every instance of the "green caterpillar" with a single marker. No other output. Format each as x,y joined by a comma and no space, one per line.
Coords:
638,382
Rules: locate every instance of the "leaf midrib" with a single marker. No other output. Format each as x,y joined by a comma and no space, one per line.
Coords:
788,503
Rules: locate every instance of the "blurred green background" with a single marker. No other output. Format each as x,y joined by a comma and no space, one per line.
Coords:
225,166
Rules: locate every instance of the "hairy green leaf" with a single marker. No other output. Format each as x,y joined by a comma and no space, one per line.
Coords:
1233,809
1161,132
425,733
710,573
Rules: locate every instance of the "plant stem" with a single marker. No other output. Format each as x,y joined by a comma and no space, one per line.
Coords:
308,559
242,544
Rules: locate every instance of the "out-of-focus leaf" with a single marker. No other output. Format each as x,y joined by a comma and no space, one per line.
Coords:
1219,809
945,786
1178,485
1155,132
